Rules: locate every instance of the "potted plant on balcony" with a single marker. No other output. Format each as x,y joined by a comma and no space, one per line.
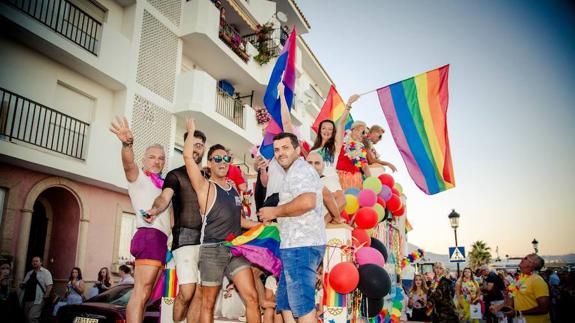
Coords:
263,35
262,116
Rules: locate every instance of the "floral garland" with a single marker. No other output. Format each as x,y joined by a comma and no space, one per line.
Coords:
355,151
518,284
412,257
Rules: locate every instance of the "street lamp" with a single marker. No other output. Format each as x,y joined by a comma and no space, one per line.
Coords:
535,244
454,220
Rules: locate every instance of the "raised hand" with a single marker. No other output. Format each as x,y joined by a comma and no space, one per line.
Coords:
281,88
121,129
191,126
352,99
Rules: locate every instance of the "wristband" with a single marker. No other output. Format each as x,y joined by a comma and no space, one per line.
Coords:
127,145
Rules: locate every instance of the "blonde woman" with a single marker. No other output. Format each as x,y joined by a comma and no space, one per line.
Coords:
467,292
418,299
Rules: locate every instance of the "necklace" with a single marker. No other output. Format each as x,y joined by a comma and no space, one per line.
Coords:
518,285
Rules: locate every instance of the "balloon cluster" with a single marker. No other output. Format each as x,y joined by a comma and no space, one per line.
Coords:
412,257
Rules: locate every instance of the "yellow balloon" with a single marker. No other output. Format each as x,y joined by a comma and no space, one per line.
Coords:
351,204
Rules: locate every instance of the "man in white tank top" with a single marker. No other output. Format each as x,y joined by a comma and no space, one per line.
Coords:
149,244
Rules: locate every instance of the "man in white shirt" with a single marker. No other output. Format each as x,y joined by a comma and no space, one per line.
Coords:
302,230
37,286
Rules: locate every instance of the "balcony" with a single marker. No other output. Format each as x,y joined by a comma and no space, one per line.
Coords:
66,19
231,37
23,120
268,44
231,107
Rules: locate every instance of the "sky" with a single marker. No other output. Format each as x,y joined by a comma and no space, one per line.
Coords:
511,115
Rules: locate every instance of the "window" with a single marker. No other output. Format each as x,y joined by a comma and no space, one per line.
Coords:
127,230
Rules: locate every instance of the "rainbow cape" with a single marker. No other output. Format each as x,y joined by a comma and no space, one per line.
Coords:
261,246
332,109
284,71
416,111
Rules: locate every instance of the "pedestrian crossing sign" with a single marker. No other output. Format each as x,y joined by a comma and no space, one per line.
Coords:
456,254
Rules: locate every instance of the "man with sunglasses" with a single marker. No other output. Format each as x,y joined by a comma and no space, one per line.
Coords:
302,230
220,205
178,190
374,136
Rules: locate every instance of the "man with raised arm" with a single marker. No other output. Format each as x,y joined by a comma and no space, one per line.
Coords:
149,243
221,206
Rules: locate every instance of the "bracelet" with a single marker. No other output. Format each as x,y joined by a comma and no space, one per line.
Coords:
127,145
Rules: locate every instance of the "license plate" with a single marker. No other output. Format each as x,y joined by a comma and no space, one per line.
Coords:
78,319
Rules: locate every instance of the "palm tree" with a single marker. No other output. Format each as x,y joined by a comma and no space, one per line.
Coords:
480,254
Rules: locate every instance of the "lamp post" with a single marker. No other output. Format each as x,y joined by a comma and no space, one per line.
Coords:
535,244
454,220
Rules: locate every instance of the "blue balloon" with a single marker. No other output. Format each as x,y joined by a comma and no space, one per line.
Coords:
353,191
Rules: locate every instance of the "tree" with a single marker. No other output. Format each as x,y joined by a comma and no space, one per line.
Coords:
480,254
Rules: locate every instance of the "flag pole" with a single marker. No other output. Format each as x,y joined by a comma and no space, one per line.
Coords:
368,92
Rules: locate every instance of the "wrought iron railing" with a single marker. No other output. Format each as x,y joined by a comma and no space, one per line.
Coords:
272,44
66,19
230,107
233,40
24,120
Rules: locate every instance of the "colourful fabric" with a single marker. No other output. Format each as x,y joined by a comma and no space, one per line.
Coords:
284,71
236,176
416,111
170,283
156,178
260,246
331,298
332,109
348,180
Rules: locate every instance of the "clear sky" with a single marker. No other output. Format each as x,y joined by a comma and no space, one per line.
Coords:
511,112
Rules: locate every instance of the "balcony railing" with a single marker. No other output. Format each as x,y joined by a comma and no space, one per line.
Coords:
66,19
269,45
24,120
230,107
233,39
315,97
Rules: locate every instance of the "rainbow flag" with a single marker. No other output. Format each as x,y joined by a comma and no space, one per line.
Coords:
331,298
170,283
284,71
332,109
416,111
261,246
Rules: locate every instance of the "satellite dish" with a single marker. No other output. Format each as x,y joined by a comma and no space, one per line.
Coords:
281,17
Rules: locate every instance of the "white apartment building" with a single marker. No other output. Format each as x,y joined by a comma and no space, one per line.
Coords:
68,67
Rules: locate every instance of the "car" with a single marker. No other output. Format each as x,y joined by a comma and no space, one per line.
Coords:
108,307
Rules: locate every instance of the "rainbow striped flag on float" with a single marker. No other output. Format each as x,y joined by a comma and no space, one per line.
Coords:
284,71
416,111
261,246
332,109
170,283
331,298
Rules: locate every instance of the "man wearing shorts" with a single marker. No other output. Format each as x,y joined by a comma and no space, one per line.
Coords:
302,230
221,206
185,232
149,242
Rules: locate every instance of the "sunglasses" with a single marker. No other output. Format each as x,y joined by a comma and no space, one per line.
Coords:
219,159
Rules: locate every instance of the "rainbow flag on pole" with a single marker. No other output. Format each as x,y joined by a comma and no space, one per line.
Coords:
332,109
261,246
284,71
416,111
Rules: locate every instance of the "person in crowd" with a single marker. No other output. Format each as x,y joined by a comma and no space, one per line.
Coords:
493,292
441,296
328,145
418,299
126,277
9,303
467,293
261,166
352,163
236,175
302,229
220,206
530,299
37,285
103,283
186,231
374,136
269,304
332,214
149,244
74,290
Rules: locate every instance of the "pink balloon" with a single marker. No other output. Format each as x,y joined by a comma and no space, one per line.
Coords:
385,193
369,255
367,198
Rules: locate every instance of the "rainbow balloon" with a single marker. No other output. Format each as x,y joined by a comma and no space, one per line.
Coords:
416,111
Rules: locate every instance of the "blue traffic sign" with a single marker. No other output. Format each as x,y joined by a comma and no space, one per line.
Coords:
456,254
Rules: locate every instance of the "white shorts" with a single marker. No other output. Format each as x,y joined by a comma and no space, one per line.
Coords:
186,259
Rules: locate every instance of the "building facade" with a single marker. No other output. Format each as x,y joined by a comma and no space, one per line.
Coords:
68,67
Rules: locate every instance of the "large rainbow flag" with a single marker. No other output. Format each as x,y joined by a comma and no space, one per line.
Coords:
284,71
261,246
332,109
416,111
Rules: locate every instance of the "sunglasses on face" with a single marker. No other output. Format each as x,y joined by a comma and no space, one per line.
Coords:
219,159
